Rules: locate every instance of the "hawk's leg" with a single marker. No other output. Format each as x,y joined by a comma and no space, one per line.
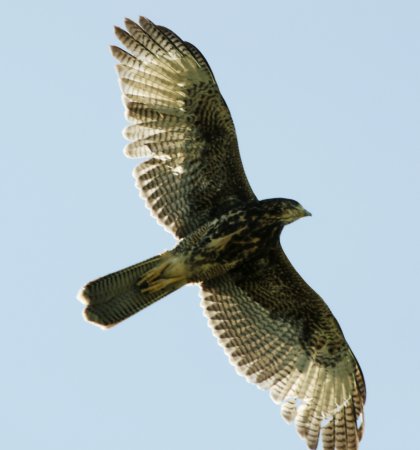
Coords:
170,271
164,283
156,272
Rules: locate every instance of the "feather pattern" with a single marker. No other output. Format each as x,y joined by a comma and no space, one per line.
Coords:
266,317
179,119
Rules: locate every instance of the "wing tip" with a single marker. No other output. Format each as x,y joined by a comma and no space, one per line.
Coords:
129,22
143,21
115,51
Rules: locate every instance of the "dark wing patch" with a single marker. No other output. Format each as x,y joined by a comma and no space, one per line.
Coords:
282,336
179,119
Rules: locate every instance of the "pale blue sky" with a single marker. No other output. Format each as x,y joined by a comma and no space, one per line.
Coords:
326,101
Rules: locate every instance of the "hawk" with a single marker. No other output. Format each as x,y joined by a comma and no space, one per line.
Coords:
275,329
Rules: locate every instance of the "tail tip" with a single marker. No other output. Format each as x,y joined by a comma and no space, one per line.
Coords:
82,297
93,318
88,314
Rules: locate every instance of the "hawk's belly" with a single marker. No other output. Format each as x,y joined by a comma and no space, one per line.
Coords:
223,243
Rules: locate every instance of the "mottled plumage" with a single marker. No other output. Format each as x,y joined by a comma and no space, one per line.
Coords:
275,329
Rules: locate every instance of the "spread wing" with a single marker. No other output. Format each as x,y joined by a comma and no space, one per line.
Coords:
281,335
179,121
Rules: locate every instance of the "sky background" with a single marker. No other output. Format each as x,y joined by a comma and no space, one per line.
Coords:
326,101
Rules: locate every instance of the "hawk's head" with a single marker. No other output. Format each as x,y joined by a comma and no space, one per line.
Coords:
286,210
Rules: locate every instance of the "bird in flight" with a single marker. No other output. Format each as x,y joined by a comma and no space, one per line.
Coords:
275,329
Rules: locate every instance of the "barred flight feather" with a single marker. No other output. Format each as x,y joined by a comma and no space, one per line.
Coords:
175,40
198,56
322,400
177,112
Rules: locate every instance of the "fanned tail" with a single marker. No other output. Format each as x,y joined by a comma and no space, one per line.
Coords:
117,296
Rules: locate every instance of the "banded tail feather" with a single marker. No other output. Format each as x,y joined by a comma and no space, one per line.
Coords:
117,296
